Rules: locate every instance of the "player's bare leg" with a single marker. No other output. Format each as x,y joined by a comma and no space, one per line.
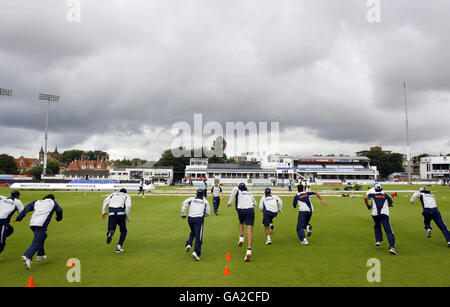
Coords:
250,241
268,233
241,235
249,236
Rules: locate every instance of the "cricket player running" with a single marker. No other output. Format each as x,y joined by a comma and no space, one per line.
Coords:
431,212
43,212
217,194
119,205
8,206
205,188
270,205
141,188
199,208
245,203
380,215
306,209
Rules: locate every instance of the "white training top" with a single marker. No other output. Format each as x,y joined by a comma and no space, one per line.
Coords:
216,191
428,200
199,207
272,203
245,199
380,202
117,201
8,205
42,209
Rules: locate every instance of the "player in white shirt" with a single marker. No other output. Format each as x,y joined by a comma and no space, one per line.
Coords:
245,203
199,208
217,194
270,205
141,188
431,212
8,206
42,213
119,205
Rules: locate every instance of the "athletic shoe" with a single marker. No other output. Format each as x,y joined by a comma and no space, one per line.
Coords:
393,251
241,241
268,242
194,255
304,242
248,256
119,249
26,262
188,248
308,230
428,233
448,244
378,244
39,258
109,237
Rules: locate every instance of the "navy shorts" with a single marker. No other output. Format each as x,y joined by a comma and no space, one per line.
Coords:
246,216
268,217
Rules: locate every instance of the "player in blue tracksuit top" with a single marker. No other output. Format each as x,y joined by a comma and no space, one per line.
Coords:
380,215
217,193
245,203
199,208
8,206
306,209
431,212
43,212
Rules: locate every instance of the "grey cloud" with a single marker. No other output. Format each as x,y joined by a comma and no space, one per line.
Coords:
313,64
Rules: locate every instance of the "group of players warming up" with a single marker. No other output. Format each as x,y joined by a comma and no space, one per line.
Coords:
42,213
118,205
272,205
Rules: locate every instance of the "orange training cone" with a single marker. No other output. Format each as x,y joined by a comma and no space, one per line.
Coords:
70,263
228,256
31,283
227,271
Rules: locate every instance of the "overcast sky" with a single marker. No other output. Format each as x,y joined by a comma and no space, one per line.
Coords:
130,69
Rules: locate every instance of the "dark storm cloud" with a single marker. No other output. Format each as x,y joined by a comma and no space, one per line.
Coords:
317,65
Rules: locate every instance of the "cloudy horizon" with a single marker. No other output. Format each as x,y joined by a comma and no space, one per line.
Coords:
129,70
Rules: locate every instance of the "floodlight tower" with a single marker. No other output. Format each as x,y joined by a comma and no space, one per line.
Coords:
5,92
49,98
408,148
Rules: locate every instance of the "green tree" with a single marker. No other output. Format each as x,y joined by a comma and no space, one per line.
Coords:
123,163
96,154
219,145
71,155
36,172
8,165
138,161
178,164
386,163
52,167
416,159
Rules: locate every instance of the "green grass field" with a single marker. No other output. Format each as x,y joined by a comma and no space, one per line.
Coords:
340,246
